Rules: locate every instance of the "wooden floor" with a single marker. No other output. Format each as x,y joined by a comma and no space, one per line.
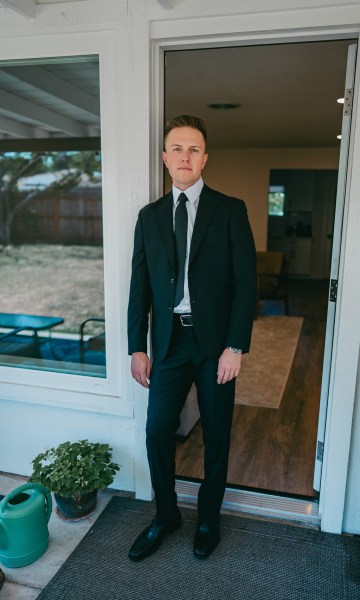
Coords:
274,449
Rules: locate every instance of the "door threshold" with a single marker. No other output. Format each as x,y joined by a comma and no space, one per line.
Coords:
259,504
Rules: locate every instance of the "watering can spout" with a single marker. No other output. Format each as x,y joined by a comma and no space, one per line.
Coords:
24,515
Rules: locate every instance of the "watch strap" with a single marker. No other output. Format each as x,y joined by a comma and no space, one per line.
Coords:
234,350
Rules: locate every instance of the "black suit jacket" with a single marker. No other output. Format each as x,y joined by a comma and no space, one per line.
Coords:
222,276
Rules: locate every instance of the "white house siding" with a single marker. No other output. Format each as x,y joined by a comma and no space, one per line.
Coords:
352,506
29,422
26,429
46,410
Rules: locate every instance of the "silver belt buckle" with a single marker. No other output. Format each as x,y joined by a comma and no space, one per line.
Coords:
183,319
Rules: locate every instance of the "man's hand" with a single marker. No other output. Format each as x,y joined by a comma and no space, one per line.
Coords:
140,368
229,366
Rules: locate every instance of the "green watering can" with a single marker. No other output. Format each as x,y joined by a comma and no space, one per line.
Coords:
24,516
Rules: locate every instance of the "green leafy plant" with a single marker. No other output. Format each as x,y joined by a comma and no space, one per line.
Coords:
74,468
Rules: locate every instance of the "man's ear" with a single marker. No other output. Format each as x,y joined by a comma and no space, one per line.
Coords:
205,158
164,157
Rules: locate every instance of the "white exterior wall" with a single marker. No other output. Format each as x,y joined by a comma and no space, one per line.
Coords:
39,411
352,506
28,428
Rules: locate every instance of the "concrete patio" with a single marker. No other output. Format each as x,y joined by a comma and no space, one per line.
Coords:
27,582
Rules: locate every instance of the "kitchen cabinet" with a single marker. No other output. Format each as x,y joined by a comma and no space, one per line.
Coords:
298,252
299,188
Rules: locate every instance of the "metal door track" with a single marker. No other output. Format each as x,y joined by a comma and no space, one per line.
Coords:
261,505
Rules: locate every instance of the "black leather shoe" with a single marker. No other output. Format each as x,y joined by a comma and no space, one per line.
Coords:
150,539
206,539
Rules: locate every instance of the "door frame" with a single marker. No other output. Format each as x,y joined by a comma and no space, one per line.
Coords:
345,353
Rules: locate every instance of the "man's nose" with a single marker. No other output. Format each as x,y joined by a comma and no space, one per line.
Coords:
185,155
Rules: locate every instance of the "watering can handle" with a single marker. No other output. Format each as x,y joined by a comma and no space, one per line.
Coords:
30,486
48,499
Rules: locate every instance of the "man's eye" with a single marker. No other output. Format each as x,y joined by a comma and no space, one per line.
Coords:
195,150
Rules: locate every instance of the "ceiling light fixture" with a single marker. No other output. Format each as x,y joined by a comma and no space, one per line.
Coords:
340,100
223,105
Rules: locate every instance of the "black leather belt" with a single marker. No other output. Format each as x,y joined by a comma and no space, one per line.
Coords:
184,320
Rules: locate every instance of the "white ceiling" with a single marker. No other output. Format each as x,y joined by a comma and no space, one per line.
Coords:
287,93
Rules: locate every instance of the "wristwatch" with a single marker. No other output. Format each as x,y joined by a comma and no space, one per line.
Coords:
234,350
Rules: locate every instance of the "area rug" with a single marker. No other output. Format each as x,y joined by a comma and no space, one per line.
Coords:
265,370
256,560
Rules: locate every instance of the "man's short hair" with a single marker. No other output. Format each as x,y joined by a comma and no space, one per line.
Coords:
185,121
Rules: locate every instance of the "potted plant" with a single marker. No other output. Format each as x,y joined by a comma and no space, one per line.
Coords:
75,471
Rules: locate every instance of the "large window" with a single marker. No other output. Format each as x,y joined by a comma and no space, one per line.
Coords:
51,246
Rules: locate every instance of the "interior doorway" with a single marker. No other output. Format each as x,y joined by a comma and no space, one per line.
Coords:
273,449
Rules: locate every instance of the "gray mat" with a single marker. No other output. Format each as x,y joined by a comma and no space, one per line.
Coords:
255,560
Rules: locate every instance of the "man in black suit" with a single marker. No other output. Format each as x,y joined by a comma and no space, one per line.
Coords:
194,267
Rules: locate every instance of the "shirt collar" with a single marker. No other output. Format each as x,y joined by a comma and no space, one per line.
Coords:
192,192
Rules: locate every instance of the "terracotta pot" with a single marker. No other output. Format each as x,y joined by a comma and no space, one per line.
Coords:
77,507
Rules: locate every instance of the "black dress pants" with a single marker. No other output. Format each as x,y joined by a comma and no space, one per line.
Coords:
170,383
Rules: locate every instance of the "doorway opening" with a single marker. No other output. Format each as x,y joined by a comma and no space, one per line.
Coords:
284,119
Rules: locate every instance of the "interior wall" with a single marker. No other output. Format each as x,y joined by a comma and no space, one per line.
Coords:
245,173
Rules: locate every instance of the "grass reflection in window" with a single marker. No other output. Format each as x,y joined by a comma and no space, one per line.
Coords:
51,260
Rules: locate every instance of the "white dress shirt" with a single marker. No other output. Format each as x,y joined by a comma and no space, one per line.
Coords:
193,195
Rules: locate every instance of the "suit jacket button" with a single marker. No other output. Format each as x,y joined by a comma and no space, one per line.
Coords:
171,306
172,280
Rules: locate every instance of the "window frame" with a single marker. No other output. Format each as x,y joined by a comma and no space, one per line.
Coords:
95,394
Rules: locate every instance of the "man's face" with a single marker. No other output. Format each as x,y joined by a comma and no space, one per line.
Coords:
184,156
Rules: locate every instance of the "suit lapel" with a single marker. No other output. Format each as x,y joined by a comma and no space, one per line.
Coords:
205,211
165,223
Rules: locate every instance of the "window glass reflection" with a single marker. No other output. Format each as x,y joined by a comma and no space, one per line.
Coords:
51,245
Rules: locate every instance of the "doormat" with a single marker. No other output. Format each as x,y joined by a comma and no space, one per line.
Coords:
265,370
255,560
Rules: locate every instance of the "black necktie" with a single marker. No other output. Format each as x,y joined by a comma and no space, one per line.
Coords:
180,231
